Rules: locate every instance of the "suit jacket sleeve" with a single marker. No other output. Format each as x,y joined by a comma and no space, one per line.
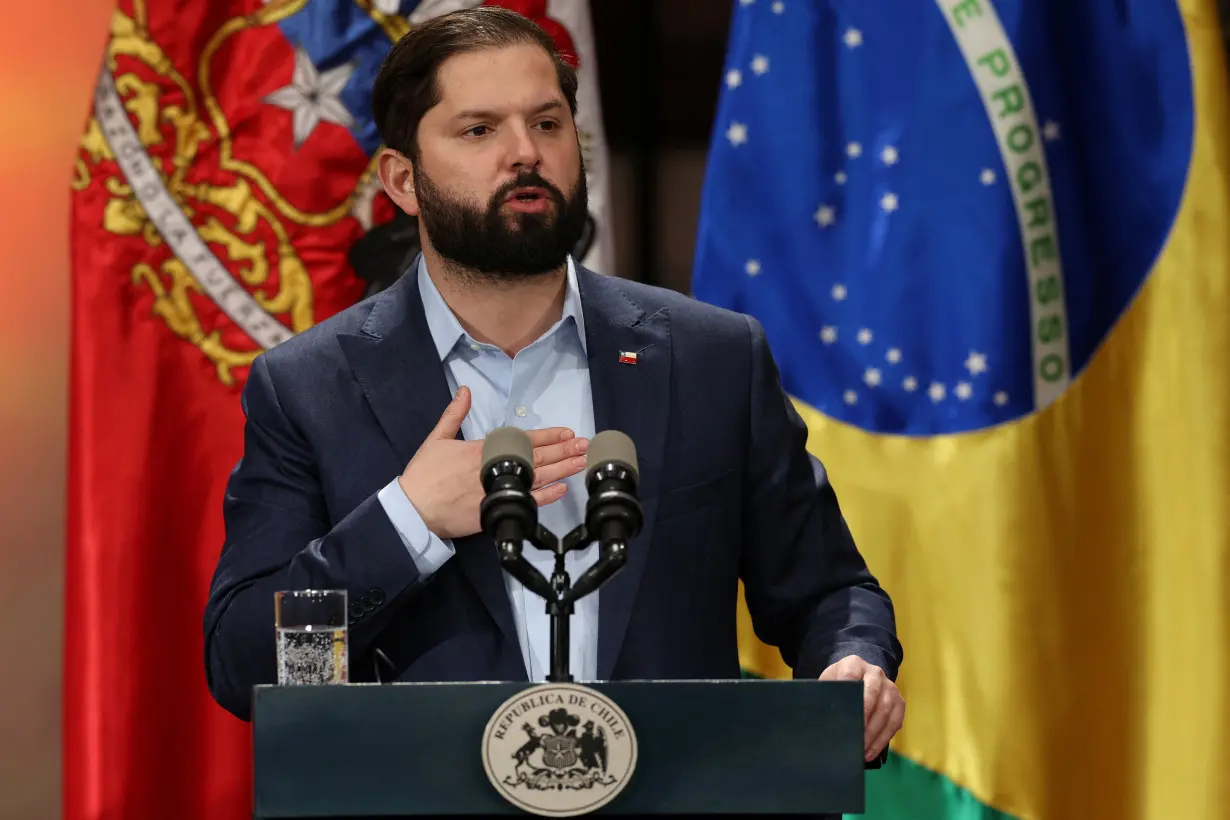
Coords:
808,590
279,537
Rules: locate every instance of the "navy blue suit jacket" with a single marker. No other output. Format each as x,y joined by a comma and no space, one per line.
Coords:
727,487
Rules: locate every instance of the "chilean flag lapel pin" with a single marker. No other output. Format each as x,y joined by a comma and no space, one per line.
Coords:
627,357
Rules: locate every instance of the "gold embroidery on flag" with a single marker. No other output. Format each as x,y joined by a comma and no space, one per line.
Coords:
227,235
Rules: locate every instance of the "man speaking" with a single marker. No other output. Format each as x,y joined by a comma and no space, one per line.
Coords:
364,435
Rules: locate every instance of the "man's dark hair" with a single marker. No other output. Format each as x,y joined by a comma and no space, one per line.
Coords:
406,87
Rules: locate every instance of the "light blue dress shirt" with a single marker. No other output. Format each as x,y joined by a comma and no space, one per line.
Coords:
544,385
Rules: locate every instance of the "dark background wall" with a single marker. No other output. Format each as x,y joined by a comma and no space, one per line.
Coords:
660,70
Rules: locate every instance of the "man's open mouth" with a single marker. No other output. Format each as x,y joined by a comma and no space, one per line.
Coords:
527,194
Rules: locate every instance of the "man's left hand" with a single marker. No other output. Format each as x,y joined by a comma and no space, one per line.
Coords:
883,706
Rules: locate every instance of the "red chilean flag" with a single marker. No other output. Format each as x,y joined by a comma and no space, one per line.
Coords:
222,177
225,171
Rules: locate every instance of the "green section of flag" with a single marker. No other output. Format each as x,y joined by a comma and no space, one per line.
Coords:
904,790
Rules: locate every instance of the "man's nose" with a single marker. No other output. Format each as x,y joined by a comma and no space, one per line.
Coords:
523,151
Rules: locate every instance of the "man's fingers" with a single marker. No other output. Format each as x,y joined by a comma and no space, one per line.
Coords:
894,712
449,424
549,435
551,453
883,706
554,472
548,495
877,699
873,690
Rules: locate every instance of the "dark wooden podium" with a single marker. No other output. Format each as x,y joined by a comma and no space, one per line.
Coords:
414,749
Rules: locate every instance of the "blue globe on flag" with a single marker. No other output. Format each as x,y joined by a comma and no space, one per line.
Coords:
940,211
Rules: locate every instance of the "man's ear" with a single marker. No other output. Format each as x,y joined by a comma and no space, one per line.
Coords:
396,174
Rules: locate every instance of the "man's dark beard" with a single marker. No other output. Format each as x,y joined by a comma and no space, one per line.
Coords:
503,247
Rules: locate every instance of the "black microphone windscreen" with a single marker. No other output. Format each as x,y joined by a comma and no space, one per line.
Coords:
611,445
504,443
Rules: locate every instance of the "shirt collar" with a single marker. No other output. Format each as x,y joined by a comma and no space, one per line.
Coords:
446,331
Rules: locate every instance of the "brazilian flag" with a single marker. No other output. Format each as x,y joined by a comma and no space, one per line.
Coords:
989,241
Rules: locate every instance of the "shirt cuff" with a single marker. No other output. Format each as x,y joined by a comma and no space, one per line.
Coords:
428,550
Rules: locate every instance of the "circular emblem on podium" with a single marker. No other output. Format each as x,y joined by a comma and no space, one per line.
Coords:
559,750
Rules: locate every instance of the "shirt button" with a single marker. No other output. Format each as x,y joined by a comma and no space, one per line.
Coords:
520,411
474,347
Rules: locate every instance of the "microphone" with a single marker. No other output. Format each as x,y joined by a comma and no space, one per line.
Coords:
508,512
613,512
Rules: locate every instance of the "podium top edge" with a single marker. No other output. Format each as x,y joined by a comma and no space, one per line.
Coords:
529,684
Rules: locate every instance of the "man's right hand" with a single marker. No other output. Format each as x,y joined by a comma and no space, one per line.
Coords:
442,480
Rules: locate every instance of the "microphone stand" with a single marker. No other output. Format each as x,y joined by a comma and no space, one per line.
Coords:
559,593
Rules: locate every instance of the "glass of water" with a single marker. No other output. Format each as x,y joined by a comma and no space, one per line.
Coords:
311,630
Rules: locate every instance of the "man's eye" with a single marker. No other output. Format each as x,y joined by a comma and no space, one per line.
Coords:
477,131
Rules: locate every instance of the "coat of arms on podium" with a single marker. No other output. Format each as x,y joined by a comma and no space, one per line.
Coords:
559,750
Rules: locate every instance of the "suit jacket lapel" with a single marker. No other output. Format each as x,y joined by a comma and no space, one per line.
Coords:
396,363
633,398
